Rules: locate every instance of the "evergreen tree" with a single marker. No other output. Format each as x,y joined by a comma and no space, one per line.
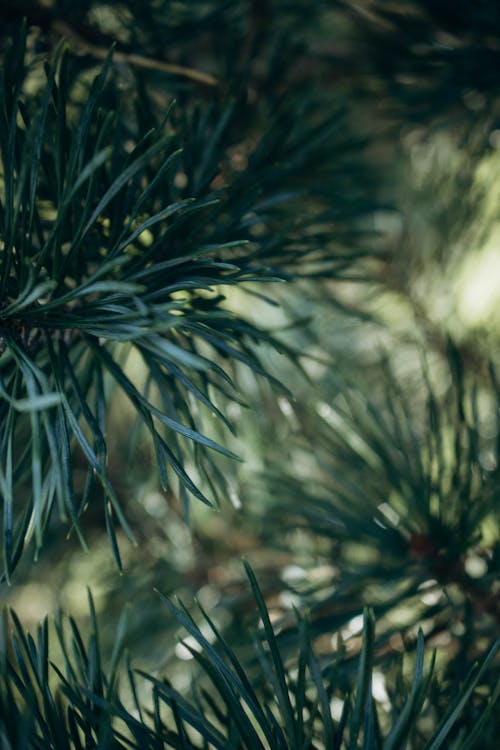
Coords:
252,229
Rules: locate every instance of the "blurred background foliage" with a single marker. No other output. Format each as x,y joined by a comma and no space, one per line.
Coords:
370,477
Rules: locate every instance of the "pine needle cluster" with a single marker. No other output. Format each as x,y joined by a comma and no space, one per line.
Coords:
175,178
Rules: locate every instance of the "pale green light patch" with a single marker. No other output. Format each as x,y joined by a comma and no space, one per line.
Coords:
353,627
34,601
478,286
289,600
336,707
379,691
391,515
146,238
182,650
476,567
293,573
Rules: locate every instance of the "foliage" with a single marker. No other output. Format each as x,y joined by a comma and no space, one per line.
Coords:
197,212
426,53
102,249
84,709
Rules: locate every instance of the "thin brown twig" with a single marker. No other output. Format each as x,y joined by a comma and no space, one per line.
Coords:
138,61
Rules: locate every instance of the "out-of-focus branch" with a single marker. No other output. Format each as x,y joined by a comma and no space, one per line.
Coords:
138,61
